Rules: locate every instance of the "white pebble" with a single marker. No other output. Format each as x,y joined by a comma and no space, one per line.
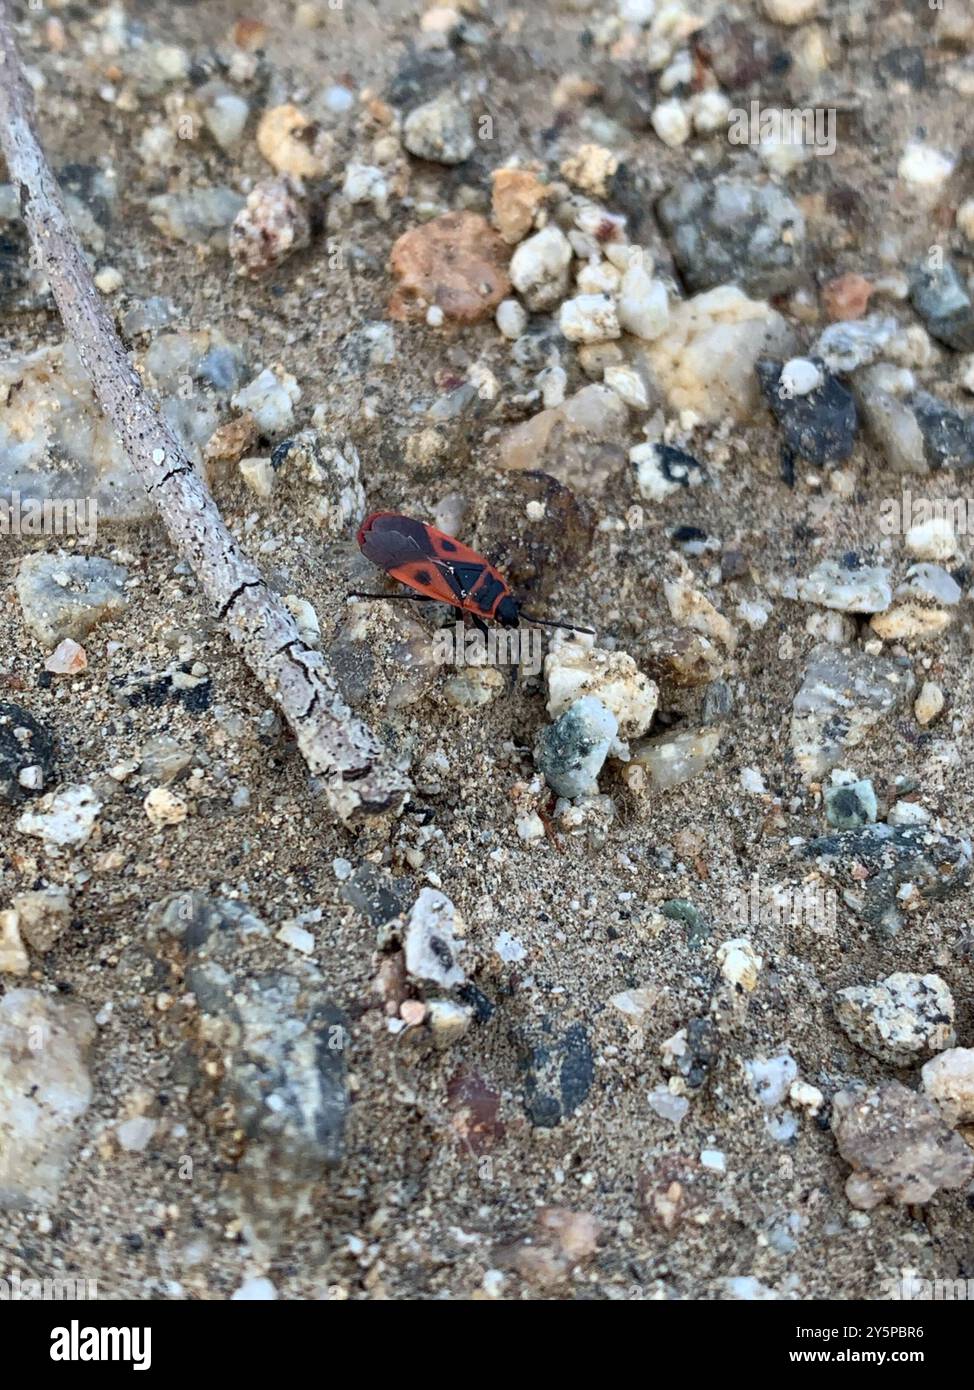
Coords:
671,123
258,474
134,1135
678,74
620,254
791,11
509,948
629,385
364,183
638,12
164,807
924,167
297,938
597,277
14,959
667,1105
739,963
806,1096
553,383
271,398
254,1289
589,318
755,614
781,154
339,99
305,618
643,306
226,117
710,112
539,267
530,827
907,813
929,703
799,377
108,279
965,218
511,318
932,540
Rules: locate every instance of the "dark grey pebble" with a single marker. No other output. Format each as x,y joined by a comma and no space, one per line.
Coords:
820,427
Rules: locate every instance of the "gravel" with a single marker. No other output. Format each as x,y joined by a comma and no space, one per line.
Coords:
698,395
732,231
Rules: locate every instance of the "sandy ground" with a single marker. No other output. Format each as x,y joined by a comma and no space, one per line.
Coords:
416,1210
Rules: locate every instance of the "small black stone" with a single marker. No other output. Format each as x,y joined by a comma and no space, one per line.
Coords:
820,427
559,1071
903,65
421,76
151,692
280,453
18,751
948,435
483,1008
941,298
679,467
197,699
376,894
701,1051
577,1067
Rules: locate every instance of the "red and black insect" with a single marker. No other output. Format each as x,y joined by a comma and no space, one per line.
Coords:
442,570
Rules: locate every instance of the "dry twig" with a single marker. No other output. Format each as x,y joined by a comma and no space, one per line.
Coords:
358,774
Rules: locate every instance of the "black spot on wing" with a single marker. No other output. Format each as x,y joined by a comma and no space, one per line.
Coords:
422,577
467,575
488,592
448,546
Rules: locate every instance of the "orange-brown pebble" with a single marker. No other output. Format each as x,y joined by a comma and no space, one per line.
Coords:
517,195
55,36
847,297
380,111
250,34
230,442
457,262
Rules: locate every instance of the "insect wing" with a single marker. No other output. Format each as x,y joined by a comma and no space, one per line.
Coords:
421,557
430,577
388,540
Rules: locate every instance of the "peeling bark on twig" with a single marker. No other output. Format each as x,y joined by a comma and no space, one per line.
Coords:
359,775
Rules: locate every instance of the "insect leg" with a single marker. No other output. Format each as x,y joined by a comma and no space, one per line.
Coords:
515,671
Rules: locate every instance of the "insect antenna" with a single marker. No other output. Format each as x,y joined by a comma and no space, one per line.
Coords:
392,598
550,622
